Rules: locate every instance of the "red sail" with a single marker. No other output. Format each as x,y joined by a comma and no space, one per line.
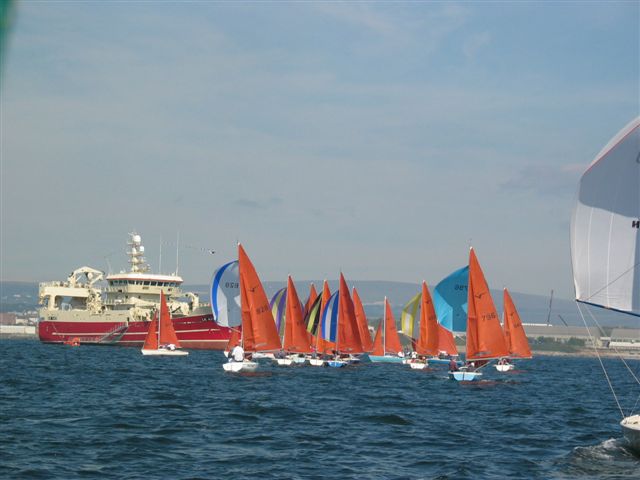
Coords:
514,333
167,332
348,336
391,339
312,298
363,326
258,327
428,340
234,339
151,340
296,337
485,339
446,342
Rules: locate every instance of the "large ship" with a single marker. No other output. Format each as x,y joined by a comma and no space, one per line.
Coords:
83,308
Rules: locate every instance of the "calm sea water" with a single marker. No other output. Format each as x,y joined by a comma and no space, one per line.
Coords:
105,412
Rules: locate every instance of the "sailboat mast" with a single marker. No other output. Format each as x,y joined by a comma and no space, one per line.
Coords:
159,323
384,328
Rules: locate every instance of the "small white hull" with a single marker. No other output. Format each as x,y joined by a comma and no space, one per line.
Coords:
284,362
462,376
260,356
169,353
298,359
316,362
631,430
505,368
418,365
236,367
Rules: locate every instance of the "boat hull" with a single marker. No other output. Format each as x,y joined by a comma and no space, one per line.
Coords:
464,376
418,365
284,362
316,362
385,359
336,363
237,367
631,430
198,332
505,368
168,353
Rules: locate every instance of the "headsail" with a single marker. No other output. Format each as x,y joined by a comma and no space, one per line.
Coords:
296,337
514,333
427,343
450,300
605,226
225,295
363,326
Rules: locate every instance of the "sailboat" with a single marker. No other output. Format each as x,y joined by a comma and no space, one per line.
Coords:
605,241
339,326
161,338
313,320
296,341
361,320
514,335
485,340
259,333
386,345
428,338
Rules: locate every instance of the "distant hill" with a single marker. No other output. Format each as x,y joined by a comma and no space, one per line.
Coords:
23,296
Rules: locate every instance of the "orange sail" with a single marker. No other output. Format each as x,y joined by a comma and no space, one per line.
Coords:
514,333
387,340
348,340
234,339
485,340
259,331
151,340
363,326
323,345
428,340
296,337
167,334
312,298
446,342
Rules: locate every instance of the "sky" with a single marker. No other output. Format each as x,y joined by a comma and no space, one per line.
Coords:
380,139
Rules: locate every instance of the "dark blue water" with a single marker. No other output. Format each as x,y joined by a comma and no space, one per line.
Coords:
107,412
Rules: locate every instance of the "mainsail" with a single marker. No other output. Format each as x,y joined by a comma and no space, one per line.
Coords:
428,340
605,226
296,337
514,333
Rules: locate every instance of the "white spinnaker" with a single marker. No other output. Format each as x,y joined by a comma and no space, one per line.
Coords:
605,226
225,295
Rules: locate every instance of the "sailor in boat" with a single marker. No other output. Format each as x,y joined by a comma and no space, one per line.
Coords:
169,346
504,361
453,365
237,354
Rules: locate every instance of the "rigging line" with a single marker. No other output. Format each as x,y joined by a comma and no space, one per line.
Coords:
632,267
616,350
606,375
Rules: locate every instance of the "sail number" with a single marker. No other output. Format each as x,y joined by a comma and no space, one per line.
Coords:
464,288
232,285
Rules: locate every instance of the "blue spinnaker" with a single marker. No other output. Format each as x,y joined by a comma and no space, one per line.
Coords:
450,300
225,295
330,318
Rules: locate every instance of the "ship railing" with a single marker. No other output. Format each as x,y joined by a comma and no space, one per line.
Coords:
118,331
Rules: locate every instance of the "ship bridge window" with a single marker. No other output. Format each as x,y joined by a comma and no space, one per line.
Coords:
147,283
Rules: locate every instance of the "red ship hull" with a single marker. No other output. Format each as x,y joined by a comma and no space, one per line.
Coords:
195,332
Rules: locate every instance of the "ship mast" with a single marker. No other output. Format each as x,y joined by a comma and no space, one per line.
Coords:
136,254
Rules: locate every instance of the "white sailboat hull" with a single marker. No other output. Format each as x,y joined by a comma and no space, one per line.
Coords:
631,430
505,368
284,362
170,353
418,365
235,367
298,359
316,362
462,376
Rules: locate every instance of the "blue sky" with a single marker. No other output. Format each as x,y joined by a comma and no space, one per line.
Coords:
377,138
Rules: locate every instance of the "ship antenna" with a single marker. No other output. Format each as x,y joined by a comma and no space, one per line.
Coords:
177,250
